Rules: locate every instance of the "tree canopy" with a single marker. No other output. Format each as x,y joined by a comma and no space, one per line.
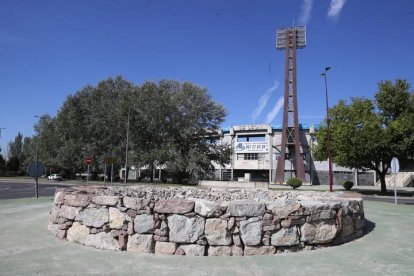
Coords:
367,133
168,124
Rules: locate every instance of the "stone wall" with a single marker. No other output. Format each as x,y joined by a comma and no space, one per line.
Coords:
200,222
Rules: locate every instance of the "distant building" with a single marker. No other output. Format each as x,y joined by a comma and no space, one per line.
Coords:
256,150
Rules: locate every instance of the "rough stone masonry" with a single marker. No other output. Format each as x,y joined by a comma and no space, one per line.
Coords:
205,222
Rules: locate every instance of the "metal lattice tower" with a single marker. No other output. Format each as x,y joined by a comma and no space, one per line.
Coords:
290,39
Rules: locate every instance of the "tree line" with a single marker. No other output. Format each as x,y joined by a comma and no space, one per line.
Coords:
168,124
367,133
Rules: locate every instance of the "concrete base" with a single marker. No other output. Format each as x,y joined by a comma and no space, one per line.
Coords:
234,184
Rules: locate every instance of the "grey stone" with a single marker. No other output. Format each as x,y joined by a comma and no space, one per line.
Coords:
246,208
216,232
220,251
251,231
237,240
282,208
59,198
134,203
167,248
347,226
230,223
236,250
193,249
68,212
102,240
321,214
206,208
105,200
53,228
144,224
78,233
286,237
185,230
174,206
116,218
318,232
78,200
141,243
94,217
259,250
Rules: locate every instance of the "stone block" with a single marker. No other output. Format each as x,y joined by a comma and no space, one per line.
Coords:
185,230
216,232
59,198
319,232
105,200
174,206
206,208
68,212
286,237
251,231
193,249
220,251
141,243
246,208
78,233
236,250
259,250
237,240
282,208
102,240
166,248
77,200
116,218
94,217
144,224
347,226
135,203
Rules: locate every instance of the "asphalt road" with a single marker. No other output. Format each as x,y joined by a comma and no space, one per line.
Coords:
13,190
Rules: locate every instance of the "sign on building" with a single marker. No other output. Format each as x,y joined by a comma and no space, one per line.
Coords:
254,147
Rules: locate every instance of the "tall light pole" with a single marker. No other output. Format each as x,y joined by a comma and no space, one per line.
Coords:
328,132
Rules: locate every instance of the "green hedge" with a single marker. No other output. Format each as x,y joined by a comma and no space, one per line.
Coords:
294,182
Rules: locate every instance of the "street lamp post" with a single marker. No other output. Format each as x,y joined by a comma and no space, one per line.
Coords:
37,161
328,132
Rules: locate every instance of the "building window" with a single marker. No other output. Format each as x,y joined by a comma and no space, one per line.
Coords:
250,156
251,138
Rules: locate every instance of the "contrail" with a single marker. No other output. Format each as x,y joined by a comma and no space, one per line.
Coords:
305,12
335,8
272,114
263,101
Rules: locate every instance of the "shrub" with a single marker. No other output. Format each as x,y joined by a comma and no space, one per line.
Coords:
348,185
294,182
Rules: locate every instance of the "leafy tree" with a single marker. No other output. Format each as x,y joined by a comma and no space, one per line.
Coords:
13,164
367,134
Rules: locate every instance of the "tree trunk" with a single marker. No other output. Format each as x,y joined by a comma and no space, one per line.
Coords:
382,180
152,173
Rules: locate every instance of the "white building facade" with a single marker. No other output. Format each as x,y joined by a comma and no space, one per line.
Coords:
256,150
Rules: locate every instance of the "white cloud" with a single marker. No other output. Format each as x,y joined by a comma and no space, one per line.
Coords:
261,104
272,114
305,12
335,8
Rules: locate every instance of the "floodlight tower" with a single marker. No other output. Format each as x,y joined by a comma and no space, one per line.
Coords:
290,39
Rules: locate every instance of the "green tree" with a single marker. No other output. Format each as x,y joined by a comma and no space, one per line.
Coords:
367,134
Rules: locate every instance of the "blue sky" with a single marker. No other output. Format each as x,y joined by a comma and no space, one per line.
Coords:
50,49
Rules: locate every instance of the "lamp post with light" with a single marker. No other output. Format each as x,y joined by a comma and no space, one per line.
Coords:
328,132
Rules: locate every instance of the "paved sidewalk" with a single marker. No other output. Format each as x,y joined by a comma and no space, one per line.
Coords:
26,248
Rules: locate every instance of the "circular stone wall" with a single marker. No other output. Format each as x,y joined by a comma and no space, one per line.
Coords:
197,222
